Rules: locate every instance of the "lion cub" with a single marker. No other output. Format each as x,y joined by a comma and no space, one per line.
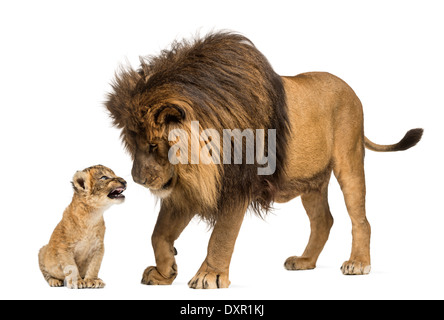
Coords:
75,251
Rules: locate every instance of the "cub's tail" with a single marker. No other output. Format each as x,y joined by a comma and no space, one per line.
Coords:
410,139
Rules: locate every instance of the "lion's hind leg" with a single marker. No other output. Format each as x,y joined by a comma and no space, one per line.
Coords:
321,221
349,171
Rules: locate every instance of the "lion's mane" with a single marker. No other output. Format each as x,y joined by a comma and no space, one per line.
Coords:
224,82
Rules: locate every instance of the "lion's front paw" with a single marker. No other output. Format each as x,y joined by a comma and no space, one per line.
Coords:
94,283
152,276
209,280
354,267
299,263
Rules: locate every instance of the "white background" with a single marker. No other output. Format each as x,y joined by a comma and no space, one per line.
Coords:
57,60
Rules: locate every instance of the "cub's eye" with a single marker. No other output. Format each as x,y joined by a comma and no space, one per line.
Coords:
104,178
153,146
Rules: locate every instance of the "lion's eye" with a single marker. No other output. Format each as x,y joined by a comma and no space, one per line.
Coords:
153,146
104,178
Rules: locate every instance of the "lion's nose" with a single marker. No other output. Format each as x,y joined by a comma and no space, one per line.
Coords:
144,180
139,180
137,175
144,175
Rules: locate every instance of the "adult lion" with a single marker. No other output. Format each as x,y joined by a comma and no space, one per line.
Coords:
222,82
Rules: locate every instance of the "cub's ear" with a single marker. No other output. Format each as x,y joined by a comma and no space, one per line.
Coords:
169,113
79,181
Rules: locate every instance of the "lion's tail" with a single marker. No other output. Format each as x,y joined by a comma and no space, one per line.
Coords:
410,139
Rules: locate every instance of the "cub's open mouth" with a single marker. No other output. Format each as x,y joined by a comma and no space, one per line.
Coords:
117,193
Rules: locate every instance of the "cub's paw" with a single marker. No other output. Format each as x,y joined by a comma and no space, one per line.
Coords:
152,276
354,267
95,283
75,284
209,280
55,282
299,263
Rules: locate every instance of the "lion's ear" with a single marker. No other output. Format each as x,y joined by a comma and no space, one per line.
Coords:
169,113
79,181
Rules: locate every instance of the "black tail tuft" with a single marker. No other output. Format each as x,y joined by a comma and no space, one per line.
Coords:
410,139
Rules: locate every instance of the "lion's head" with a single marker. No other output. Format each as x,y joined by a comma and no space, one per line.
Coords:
222,82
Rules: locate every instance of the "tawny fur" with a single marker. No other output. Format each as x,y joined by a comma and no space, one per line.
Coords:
75,250
224,82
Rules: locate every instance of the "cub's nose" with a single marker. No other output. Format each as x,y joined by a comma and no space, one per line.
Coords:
122,181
